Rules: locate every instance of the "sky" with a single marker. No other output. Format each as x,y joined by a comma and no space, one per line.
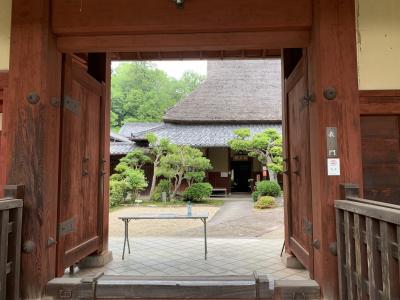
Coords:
177,68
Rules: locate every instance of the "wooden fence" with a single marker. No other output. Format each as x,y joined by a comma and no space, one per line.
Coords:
10,242
368,247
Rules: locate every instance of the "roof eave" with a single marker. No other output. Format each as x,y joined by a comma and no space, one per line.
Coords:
210,122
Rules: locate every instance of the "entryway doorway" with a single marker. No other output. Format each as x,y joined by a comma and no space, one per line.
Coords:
241,177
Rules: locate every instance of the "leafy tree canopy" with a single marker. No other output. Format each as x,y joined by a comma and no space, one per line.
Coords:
183,162
266,146
142,93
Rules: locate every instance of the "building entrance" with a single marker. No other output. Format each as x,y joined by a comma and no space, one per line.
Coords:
241,176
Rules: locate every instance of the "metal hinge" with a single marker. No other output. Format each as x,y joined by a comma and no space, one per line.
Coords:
307,227
66,227
71,105
307,99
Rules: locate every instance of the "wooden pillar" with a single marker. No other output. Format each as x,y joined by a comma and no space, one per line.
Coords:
3,89
31,133
332,63
99,66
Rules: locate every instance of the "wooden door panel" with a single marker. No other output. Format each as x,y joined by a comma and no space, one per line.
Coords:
299,203
80,172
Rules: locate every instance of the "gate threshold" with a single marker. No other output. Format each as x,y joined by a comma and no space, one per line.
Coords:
102,287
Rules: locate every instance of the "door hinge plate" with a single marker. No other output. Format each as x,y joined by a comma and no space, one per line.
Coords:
307,227
66,227
71,105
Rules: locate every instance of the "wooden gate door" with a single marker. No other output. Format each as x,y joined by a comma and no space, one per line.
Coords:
80,184
299,204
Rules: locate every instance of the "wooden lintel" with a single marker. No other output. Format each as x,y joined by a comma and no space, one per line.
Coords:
200,55
94,17
380,102
185,42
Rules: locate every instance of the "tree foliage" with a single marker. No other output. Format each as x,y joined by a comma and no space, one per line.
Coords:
134,160
158,148
266,146
129,179
142,93
183,162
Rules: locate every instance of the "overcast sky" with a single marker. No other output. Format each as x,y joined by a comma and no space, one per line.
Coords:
177,68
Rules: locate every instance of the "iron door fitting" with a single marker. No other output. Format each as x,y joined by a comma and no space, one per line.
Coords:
296,160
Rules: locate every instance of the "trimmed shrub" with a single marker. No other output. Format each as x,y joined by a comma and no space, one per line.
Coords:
135,182
265,202
255,195
268,188
117,192
198,191
163,186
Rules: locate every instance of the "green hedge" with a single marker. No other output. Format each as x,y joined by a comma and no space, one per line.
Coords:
268,188
198,191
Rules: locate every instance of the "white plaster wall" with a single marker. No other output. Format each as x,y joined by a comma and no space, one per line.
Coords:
378,42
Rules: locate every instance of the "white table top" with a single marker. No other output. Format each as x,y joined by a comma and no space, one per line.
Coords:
164,216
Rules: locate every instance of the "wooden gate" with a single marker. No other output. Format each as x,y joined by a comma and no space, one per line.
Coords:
80,202
299,202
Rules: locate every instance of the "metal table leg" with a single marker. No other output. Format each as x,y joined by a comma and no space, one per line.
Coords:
126,238
205,238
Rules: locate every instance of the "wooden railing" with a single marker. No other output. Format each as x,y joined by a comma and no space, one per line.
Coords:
10,242
368,248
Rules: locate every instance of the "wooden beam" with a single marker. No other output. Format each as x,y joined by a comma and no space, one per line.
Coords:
380,102
332,63
274,39
31,131
202,55
94,17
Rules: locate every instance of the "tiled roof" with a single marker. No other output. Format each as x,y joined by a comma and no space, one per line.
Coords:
121,148
215,135
241,91
134,129
210,135
115,137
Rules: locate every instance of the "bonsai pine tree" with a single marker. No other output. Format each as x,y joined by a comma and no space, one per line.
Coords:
266,146
129,177
158,148
133,160
183,162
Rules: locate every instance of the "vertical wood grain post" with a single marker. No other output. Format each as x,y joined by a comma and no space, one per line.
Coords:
332,64
99,66
31,133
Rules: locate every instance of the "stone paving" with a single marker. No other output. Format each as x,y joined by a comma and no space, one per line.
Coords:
241,240
185,257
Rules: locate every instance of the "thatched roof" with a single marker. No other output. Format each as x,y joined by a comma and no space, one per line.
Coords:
241,91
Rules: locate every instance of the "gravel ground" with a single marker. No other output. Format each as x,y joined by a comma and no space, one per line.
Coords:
156,228
235,219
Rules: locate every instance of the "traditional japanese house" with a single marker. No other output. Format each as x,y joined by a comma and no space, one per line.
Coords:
340,123
236,94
